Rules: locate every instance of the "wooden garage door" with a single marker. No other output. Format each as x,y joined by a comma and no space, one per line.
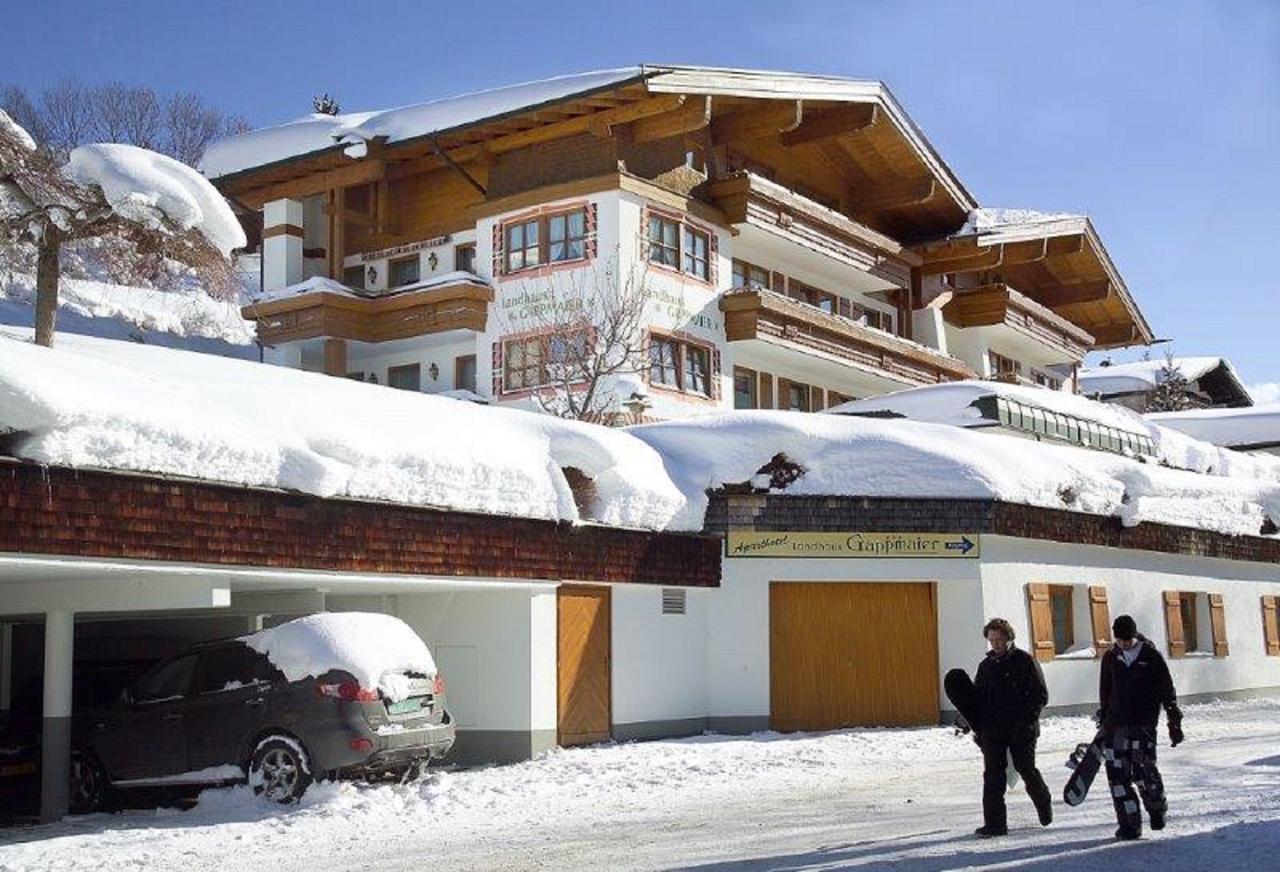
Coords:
584,641
852,655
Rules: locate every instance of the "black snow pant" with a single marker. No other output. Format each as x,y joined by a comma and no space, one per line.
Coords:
997,749
1130,754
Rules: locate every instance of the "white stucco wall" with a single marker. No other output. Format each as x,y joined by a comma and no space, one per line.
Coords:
659,661
1135,582
738,620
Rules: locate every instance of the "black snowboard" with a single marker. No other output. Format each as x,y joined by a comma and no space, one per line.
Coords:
1085,761
964,696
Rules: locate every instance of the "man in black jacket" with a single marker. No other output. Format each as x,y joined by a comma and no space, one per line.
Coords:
1134,685
1011,693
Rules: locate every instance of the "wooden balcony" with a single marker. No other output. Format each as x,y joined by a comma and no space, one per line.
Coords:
462,305
1002,306
778,320
746,198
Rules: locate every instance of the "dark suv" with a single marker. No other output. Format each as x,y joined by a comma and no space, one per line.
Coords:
223,713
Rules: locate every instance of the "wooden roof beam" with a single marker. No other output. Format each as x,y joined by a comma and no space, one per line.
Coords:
356,173
1074,294
695,114
1115,336
871,200
775,117
839,121
989,258
601,123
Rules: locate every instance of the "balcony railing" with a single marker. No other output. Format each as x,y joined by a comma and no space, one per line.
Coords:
1001,305
751,313
460,305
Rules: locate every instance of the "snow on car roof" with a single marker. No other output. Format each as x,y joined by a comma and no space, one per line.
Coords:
371,646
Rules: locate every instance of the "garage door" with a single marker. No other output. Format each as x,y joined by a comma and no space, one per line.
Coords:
584,688
844,655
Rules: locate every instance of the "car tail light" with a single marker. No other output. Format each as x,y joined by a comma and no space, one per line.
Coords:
347,691
438,690
360,744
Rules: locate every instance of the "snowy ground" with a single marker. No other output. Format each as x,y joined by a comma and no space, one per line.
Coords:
854,799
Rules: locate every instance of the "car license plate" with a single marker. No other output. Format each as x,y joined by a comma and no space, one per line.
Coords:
405,706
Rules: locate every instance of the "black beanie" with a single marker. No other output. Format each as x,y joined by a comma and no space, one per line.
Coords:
1124,627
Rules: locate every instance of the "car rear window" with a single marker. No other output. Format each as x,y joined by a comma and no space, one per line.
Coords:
233,666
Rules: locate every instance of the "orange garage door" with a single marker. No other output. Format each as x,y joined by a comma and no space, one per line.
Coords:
858,654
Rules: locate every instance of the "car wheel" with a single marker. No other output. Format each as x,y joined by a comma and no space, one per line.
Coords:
280,769
88,784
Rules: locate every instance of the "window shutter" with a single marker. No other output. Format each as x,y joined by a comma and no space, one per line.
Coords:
590,222
1218,622
1041,620
715,373
764,398
1173,624
497,369
498,253
817,399
1271,624
1100,617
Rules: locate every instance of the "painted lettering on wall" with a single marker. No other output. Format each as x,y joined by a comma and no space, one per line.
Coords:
852,544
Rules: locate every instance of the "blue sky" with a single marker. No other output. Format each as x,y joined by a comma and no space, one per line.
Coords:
1161,120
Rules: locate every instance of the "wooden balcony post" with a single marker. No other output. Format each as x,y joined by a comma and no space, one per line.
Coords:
335,357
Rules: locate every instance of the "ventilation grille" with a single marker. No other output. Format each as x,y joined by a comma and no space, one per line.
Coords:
673,600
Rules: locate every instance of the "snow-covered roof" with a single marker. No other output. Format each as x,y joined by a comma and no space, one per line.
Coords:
986,220
375,648
1233,428
145,187
95,403
1143,375
318,132
332,286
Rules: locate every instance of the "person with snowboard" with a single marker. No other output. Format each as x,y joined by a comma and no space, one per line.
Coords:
1134,684
1010,694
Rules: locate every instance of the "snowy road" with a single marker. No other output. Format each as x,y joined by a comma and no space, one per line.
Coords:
861,799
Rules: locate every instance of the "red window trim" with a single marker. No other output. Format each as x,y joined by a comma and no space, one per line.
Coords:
544,214
682,220
682,341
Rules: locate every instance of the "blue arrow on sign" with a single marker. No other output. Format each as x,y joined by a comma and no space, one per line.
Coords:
964,546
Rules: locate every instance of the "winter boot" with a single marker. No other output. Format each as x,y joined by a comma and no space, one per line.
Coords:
1045,811
1157,819
1126,835
989,832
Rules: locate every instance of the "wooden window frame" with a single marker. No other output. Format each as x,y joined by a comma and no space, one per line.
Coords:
1046,380
681,347
402,368
996,361
680,257
784,395
689,259
1059,592
753,379
746,270
1190,636
542,223
400,261
347,271
536,341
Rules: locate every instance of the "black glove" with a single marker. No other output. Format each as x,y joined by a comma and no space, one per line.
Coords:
1174,716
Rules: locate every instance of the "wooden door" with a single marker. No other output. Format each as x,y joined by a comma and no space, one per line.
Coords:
584,641
852,654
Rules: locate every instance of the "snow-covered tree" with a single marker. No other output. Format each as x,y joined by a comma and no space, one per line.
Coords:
592,344
1172,392
325,104
150,203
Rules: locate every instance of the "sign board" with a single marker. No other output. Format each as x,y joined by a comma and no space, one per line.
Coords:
852,544
408,248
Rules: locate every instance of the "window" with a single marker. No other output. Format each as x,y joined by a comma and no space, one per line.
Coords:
464,257
166,681
1195,622
230,667
793,396
685,366
663,366
878,320
405,271
748,275
405,378
524,363
464,373
664,235
1187,612
1046,380
1002,366
556,237
745,389
696,259
676,244
1061,611
353,277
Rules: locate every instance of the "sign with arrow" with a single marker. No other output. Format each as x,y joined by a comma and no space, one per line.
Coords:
754,543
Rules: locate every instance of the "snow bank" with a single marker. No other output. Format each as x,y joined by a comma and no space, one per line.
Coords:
374,648
143,186
895,458
97,403
1257,425
316,132
16,131
1143,375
